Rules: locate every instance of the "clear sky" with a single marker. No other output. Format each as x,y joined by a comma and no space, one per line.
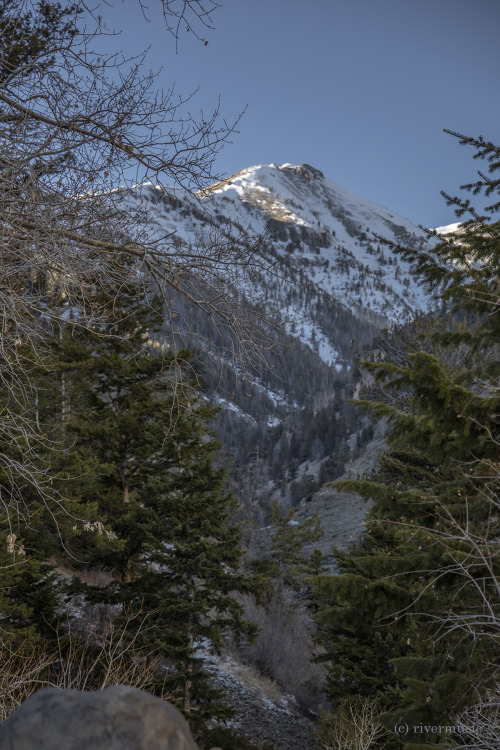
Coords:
360,89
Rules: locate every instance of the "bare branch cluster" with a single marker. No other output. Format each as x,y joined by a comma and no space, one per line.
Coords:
479,726
102,658
355,727
80,131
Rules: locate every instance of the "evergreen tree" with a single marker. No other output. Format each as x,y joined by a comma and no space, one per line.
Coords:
397,620
29,40
28,593
290,564
28,590
156,489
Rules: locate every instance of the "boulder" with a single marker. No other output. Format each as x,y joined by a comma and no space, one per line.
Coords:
117,718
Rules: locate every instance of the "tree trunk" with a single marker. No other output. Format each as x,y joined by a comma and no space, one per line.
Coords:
186,704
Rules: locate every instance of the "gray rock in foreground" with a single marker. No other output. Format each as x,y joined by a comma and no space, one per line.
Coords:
118,718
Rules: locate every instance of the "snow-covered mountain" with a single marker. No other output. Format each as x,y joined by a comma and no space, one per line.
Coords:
329,228
323,237
289,427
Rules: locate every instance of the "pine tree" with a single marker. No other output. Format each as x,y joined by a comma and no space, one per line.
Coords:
30,39
290,564
402,621
28,590
157,491
383,614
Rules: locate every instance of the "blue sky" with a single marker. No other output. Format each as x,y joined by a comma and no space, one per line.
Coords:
360,89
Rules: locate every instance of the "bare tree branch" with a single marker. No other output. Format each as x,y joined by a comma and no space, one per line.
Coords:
83,138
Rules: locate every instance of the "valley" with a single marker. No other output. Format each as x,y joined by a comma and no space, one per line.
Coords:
321,275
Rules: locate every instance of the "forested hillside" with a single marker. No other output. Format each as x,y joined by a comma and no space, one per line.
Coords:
320,286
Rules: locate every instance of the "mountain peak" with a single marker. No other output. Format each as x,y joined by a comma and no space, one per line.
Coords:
264,173
322,242
304,170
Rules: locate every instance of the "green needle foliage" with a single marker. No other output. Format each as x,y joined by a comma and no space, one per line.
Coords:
28,592
413,618
291,565
140,463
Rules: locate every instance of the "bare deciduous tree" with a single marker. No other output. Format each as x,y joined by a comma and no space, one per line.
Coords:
474,555
91,661
478,728
78,130
354,727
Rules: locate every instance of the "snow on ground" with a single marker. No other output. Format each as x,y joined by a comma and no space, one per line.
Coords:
449,228
264,712
231,406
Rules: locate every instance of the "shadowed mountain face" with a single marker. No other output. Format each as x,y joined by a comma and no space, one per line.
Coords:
320,267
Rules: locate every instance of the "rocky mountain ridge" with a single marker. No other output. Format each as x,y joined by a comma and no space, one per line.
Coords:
321,267
319,234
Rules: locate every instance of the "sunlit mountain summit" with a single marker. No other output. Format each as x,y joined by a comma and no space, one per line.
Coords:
323,240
